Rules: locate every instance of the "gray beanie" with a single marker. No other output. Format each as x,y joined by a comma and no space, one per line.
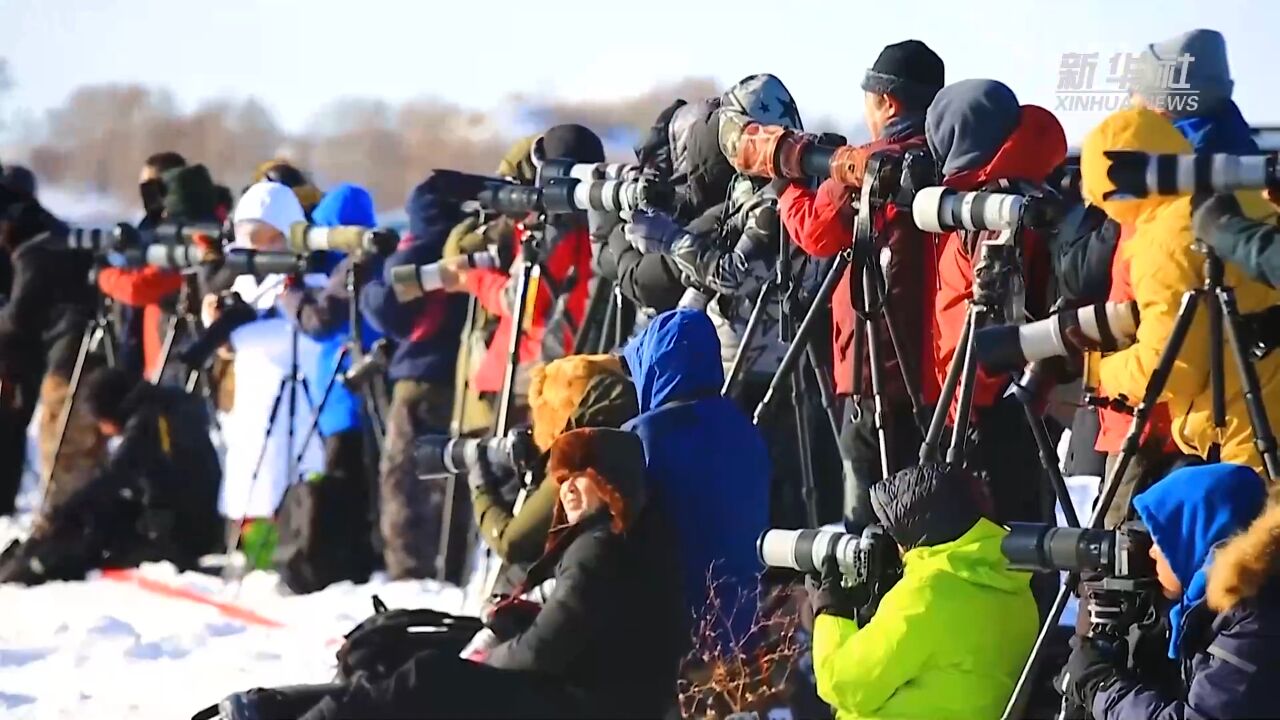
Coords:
1203,53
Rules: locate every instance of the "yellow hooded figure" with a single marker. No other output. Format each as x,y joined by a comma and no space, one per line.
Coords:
1163,267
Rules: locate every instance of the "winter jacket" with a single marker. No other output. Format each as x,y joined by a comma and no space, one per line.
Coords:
567,269
1250,244
1163,267
324,315
1083,258
609,401
425,329
49,299
948,640
615,627
822,224
1228,636
704,456
1028,152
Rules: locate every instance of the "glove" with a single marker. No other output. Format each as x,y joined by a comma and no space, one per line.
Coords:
1090,668
652,232
828,593
752,152
729,274
510,616
849,165
1210,211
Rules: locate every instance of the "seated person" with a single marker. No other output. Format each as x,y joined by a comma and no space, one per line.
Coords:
950,638
566,394
609,641
154,499
1217,559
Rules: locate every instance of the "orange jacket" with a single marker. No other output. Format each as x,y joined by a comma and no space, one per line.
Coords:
144,288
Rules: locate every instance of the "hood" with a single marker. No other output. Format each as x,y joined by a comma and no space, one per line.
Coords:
284,172
1188,513
431,217
190,194
654,149
271,203
558,392
19,178
345,204
1130,129
765,99
517,163
1187,74
968,122
572,142
616,458
1224,131
676,357
926,505
974,557
699,168
1245,564
610,401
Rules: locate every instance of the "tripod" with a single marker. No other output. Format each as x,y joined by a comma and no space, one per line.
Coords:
184,320
1223,313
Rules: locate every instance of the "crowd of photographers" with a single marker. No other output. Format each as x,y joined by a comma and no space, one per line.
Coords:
576,363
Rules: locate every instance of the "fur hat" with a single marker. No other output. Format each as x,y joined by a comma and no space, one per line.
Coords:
613,459
1246,563
557,388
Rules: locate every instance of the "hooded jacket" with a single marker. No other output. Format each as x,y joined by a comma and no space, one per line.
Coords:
821,223
980,135
1226,627
324,315
425,329
1163,266
948,640
614,629
704,458
189,198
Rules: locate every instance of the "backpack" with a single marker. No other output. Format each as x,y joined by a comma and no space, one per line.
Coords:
324,535
388,639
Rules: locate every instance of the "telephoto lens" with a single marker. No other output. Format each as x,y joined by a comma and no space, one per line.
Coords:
1137,174
869,557
1047,548
1106,327
409,282
941,209
442,455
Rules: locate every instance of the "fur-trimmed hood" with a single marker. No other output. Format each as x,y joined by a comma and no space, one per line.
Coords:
614,459
1249,561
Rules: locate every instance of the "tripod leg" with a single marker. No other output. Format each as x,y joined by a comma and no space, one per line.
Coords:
1128,450
1217,379
324,400
870,294
906,362
748,334
808,488
1048,457
513,348
171,332
931,449
64,415
1264,438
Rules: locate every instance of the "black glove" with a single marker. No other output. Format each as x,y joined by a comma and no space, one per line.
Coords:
828,594
1091,666
1209,211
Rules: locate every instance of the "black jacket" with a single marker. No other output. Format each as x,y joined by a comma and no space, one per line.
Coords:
50,298
1082,252
615,628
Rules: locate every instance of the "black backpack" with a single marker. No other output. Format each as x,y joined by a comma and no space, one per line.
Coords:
324,535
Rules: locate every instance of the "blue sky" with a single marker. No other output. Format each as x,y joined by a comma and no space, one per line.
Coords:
297,55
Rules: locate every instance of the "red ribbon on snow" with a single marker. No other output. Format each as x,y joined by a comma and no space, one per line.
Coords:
231,610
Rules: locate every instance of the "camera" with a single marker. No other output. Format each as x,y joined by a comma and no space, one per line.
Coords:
412,281
442,455
871,557
1008,348
561,167
1138,174
351,239
556,194
1121,553
940,209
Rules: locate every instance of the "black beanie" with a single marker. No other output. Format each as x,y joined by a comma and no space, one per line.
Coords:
910,71
572,142
19,178
927,505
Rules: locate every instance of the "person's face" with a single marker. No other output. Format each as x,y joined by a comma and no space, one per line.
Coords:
1168,580
260,236
879,110
579,497
148,173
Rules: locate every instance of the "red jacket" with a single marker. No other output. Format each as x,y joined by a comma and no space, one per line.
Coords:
145,288
1113,424
573,250
1035,148
821,224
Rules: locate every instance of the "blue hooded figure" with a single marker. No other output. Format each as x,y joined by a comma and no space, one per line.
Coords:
1219,567
705,459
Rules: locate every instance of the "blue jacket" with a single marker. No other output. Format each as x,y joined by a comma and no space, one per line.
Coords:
704,457
427,329
1226,627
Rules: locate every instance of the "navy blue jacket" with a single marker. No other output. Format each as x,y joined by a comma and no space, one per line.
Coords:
704,458
427,329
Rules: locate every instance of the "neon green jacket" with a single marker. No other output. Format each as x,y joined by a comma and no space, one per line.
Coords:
948,641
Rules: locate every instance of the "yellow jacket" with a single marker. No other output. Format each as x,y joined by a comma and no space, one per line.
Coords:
1163,267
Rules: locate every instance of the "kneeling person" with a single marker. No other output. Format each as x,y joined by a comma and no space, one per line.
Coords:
949,639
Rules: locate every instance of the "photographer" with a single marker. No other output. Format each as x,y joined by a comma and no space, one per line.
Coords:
426,333
609,641
281,170
266,400
1252,245
1164,265
574,392
49,303
154,499
983,139
186,195
704,458
897,89
561,290
946,641
1219,566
